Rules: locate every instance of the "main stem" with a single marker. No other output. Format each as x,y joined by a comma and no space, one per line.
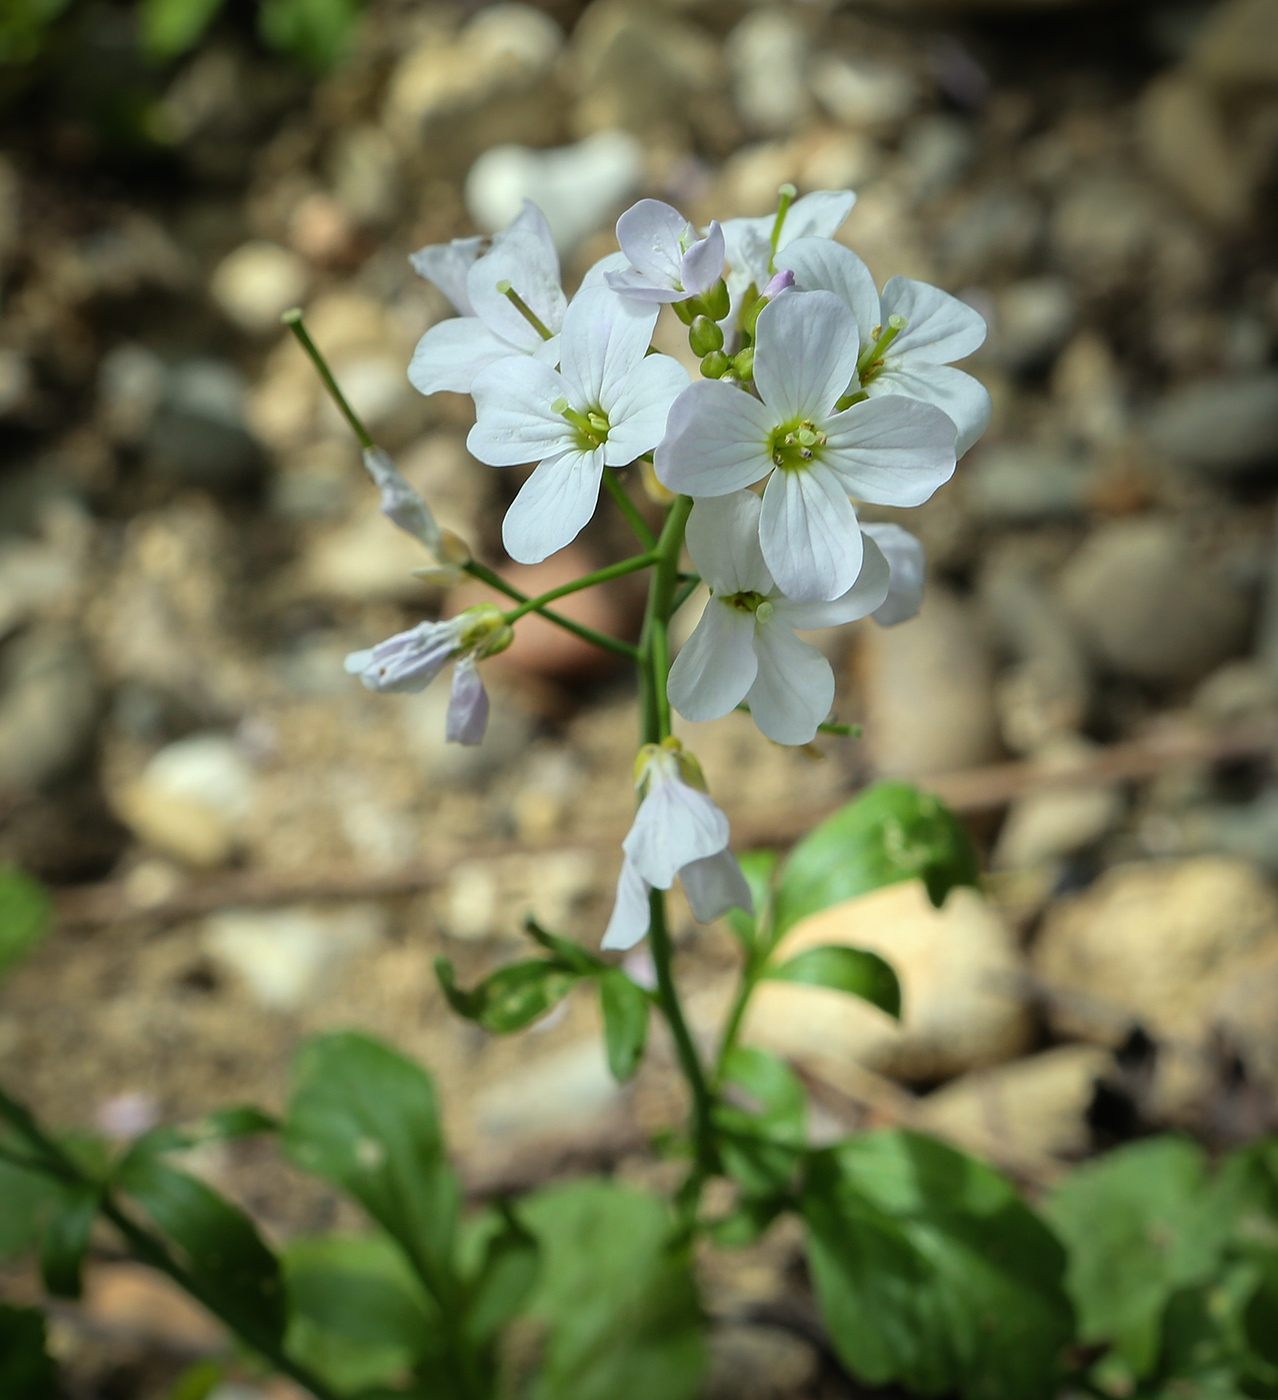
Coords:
654,651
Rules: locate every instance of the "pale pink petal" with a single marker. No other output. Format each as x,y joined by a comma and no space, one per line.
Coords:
964,400
649,233
450,355
820,264
639,407
939,328
715,885
703,262
467,706
723,539
867,593
631,911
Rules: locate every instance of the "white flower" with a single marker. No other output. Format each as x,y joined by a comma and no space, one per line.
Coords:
890,451
676,831
492,327
749,241
744,647
667,260
409,661
934,329
403,505
605,406
907,565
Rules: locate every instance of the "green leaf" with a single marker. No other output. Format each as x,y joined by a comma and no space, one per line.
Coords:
172,27
853,970
27,1371
890,833
314,31
25,910
357,1313
930,1271
66,1240
1139,1224
504,1280
758,867
774,1085
618,1304
364,1118
762,1148
220,1245
29,1198
198,1381
571,954
625,1017
513,997
222,1125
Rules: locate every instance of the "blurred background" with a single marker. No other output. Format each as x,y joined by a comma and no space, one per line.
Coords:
247,847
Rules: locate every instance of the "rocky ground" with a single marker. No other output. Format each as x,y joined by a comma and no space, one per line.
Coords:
249,847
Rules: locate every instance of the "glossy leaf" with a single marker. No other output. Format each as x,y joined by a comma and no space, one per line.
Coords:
625,1009
890,833
853,970
25,910
66,1240
931,1271
219,1244
27,1371
513,997
364,1117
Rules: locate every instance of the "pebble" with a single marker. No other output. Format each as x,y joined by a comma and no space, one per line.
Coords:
749,1361
131,384
1055,822
289,957
35,577
928,689
1026,483
565,1095
1223,427
15,381
1245,1018
938,151
48,707
1033,320
191,799
1237,47
993,234
960,974
489,898
579,188
768,55
254,285
1189,146
863,93
1128,581
198,433
1104,229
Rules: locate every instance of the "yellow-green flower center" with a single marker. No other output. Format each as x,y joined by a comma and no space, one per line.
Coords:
793,446
592,426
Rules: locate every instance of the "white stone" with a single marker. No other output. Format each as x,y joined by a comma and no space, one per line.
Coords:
257,283
863,93
768,55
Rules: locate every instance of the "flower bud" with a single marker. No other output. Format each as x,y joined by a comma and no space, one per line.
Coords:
716,301
715,365
780,283
743,363
480,629
705,336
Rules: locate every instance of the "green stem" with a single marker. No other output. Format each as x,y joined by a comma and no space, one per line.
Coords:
588,634
750,975
620,570
654,646
612,484
293,320
148,1248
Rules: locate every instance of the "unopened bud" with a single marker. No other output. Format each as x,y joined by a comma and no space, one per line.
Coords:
782,282
715,365
705,336
743,363
750,316
716,301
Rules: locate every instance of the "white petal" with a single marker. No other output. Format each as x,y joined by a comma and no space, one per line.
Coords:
964,400
639,406
402,503
716,665
805,354
635,287
703,262
748,246
892,451
451,354
597,272
908,566
939,328
820,264
675,823
717,440
467,706
866,594
809,534
715,885
820,214
649,233
604,337
447,264
630,913
521,258
513,418
723,540
531,220
553,506
794,689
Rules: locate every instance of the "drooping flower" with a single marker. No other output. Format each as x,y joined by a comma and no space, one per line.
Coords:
409,661
677,830
522,261
667,261
889,450
744,647
909,336
402,505
605,406
906,565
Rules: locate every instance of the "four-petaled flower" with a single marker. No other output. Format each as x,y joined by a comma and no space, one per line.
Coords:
668,262
676,831
744,647
891,451
605,406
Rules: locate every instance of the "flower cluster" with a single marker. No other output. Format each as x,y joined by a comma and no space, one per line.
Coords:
817,393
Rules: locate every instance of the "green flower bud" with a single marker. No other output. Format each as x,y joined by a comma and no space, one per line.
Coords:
705,336
716,301
715,365
743,364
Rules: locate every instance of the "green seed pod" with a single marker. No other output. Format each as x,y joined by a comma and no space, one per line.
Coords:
705,336
715,365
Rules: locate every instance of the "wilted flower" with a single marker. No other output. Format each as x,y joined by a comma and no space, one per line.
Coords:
402,504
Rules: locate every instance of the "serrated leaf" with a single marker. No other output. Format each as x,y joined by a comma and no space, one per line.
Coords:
890,833
618,1304
27,1371
25,911
625,1009
66,1239
364,1118
513,997
758,867
931,1272
855,971
220,1245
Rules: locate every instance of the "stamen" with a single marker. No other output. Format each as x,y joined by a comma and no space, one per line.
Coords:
524,309
870,358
